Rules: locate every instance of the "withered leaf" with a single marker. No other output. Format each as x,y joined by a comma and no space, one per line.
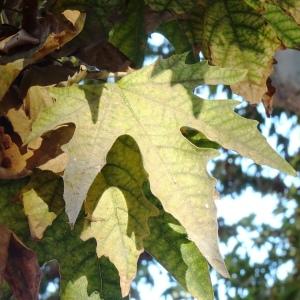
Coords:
21,38
65,29
58,30
18,266
12,162
47,153
104,55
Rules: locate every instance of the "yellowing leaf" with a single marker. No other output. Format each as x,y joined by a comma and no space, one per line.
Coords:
151,105
21,118
110,230
12,162
235,35
292,7
78,291
9,73
57,39
119,211
41,201
39,217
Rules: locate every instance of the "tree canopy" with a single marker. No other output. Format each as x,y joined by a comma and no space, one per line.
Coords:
103,158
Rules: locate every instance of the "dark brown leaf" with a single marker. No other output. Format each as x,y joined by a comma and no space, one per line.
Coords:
18,266
21,38
12,162
267,98
104,55
43,75
48,154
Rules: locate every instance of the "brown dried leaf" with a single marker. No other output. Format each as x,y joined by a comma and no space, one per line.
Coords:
44,153
21,38
18,266
9,73
104,55
22,117
12,162
267,98
61,30
64,32
47,153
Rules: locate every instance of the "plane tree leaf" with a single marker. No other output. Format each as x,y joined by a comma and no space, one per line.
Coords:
44,152
236,35
169,244
134,151
82,272
291,6
287,29
39,217
243,34
22,117
151,105
110,229
119,211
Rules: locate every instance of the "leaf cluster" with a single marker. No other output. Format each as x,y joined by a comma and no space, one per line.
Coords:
103,159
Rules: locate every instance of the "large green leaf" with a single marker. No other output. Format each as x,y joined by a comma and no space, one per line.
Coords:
290,7
152,105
